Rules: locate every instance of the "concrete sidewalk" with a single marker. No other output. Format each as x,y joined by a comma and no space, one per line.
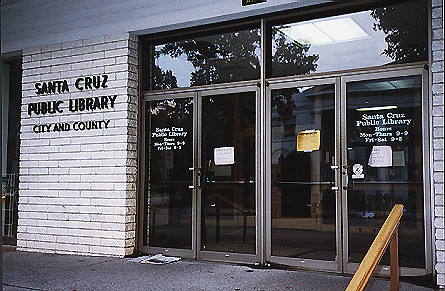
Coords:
35,271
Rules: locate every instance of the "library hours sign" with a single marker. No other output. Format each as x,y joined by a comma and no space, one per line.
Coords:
388,127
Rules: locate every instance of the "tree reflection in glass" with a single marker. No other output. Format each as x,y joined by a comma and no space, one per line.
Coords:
219,58
227,57
384,35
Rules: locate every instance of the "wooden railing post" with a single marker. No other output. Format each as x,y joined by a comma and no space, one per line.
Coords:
388,235
394,260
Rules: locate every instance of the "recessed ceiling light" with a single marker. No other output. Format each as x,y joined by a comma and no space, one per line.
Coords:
377,108
341,29
325,31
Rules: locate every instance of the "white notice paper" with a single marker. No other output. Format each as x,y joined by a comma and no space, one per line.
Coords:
381,156
224,156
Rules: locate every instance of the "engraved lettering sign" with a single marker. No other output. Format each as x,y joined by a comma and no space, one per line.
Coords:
75,105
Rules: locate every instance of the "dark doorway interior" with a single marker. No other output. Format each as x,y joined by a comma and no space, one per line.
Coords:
10,179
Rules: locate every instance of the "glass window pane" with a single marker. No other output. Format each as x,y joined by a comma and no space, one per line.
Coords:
220,58
393,34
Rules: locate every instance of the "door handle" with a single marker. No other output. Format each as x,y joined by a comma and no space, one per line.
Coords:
200,178
349,180
190,178
334,168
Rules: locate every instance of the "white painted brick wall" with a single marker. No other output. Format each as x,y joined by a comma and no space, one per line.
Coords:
437,68
77,188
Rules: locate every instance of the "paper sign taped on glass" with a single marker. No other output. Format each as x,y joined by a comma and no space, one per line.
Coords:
381,156
308,140
224,156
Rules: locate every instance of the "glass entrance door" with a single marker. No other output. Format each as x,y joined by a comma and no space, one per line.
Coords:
384,164
340,152
304,150
343,151
200,174
227,181
169,176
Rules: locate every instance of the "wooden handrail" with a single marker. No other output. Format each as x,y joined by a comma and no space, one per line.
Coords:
157,209
235,205
388,233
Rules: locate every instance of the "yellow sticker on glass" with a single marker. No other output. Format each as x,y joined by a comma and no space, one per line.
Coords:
308,141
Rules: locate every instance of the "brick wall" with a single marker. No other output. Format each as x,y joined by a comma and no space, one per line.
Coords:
438,136
77,185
